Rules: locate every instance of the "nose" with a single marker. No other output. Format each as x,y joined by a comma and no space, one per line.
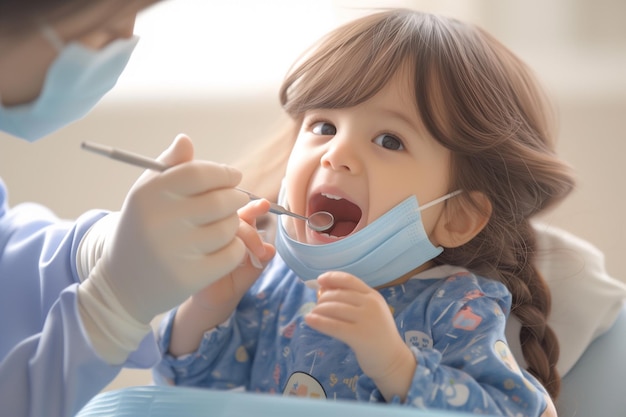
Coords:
125,27
342,154
119,28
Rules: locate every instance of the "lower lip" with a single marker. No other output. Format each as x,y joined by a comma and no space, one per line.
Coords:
317,238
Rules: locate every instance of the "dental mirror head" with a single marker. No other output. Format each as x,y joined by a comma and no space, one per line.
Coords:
320,221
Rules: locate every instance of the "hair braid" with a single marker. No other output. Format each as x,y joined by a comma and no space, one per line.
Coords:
531,305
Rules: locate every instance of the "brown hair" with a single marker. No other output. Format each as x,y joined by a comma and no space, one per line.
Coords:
478,100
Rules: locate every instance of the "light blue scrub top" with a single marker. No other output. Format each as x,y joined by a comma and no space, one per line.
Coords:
48,366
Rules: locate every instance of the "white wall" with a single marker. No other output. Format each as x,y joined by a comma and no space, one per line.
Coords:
175,83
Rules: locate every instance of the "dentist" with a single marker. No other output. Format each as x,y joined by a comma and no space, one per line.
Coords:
77,298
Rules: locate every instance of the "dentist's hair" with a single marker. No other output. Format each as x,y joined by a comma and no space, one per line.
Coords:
480,101
24,16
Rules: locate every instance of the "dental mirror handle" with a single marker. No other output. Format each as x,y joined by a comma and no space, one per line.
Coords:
125,156
274,207
153,164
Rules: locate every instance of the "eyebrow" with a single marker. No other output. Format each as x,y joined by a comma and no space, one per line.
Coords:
404,118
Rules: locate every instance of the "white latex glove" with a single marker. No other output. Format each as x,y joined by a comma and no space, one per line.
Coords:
175,234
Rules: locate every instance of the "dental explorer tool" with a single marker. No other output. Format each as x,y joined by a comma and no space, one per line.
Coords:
318,221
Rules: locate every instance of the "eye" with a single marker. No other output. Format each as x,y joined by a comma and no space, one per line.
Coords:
389,142
324,129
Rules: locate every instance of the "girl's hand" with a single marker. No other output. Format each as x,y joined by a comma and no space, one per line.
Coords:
351,311
215,303
225,293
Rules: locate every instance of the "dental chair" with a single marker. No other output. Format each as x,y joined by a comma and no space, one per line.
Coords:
595,385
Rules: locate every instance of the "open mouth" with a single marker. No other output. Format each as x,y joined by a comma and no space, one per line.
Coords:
347,214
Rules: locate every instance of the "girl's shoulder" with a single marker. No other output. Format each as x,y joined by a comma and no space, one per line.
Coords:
456,280
450,285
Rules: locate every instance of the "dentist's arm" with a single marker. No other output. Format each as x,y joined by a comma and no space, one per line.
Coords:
63,343
48,366
54,373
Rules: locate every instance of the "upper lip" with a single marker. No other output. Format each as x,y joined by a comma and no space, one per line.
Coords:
326,190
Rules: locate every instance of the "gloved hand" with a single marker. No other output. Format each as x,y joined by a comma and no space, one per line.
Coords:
175,234
215,303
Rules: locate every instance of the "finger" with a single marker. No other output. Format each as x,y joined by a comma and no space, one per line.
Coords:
259,262
253,241
179,151
334,328
312,284
253,259
188,177
254,209
270,251
206,269
338,311
209,207
339,295
339,279
209,238
198,176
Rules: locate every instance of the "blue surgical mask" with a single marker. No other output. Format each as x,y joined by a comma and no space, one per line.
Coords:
391,246
77,79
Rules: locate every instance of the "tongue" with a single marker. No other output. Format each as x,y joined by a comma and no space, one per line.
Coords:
343,228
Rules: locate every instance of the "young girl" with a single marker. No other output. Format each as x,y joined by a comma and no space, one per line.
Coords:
428,141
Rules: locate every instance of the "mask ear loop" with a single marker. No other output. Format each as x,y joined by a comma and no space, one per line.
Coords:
440,199
52,37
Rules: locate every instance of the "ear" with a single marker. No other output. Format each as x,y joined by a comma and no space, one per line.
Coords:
462,219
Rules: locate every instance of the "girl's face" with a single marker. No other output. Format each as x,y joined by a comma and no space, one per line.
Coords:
361,161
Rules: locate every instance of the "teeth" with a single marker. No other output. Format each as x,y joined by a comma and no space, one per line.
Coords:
332,197
329,235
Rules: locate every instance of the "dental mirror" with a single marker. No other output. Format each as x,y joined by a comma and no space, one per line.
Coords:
318,221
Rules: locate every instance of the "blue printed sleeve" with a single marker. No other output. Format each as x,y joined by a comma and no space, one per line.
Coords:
47,363
225,355
467,365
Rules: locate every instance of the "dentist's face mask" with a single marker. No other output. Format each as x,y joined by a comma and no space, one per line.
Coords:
76,80
391,246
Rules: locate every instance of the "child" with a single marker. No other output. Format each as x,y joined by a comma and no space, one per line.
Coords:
428,141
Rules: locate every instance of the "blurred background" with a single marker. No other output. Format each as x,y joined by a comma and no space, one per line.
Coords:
211,70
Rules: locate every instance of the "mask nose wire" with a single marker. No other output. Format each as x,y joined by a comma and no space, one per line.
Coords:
52,37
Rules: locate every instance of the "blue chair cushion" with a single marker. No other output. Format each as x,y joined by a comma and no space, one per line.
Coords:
171,401
595,385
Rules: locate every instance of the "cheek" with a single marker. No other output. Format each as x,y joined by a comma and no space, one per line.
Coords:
386,191
301,165
295,174
297,177
429,219
296,159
